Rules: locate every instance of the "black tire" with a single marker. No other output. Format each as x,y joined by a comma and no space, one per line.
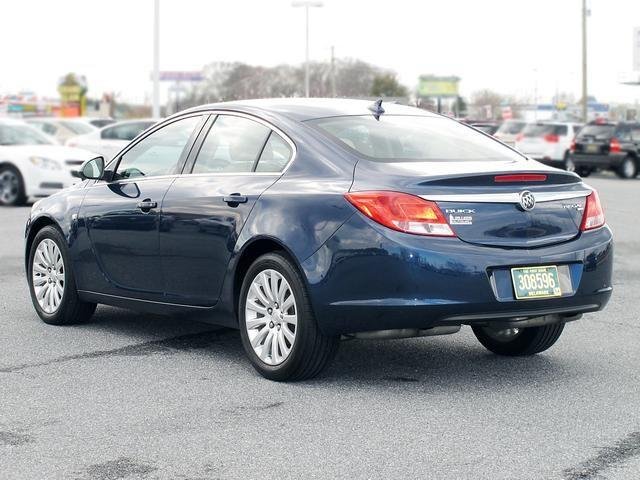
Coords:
583,171
15,194
71,309
628,168
312,350
528,341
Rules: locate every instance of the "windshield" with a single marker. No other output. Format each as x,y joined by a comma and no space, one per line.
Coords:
413,139
511,128
22,135
597,132
77,127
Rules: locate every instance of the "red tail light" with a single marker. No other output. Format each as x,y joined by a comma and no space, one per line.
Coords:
593,214
551,138
572,148
614,146
519,137
402,212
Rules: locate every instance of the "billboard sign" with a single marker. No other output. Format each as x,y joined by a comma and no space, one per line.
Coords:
433,86
181,76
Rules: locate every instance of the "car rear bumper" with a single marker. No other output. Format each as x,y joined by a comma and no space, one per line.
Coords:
597,161
367,277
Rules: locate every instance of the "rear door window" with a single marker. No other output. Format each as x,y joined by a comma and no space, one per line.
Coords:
233,145
275,155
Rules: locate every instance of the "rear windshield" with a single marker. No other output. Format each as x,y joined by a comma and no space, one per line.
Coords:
542,129
597,132
397,138
511,128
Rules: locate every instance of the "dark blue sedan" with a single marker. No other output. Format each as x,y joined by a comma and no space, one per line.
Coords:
302,222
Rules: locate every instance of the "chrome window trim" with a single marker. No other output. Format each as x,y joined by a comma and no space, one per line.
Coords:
511,197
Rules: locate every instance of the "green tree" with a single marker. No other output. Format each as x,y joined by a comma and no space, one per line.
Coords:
387,85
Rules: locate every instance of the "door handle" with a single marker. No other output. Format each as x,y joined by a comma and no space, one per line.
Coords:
235,198
147,205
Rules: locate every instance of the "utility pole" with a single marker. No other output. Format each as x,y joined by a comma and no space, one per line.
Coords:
585,13
306,4
333,72
155,111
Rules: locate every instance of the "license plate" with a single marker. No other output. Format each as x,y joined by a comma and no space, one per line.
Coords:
536,282
593,148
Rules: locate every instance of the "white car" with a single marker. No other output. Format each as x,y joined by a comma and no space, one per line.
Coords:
509,131
109,140
61,128
32,165
548,142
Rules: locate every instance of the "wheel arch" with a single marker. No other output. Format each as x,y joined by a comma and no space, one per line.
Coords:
34,227
16,166
248,254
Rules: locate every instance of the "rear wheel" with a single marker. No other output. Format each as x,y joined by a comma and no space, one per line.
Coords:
279,331
628,168
51,281
518,341
11,186
569,166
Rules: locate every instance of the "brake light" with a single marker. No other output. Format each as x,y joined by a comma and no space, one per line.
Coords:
593,214
402,212
572,148
520,177
551,138
614,146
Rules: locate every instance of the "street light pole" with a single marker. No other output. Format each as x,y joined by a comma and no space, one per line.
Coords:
584,61
156,60
306,4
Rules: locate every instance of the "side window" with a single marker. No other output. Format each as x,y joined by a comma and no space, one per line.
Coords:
624,134
275,156
232,145
159,153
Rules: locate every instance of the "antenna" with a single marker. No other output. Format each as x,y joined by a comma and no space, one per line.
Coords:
376,109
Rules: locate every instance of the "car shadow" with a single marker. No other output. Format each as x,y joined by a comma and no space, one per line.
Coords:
436,363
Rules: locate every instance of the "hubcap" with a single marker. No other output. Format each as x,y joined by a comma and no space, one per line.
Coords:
48,275
9,186
628,168
271,317
503,334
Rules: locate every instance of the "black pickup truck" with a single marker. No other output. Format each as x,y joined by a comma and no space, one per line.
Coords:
607,146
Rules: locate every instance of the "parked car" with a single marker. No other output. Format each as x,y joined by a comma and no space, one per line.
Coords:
509,131
109,140
299,221
607,146
488,128
99,122
548,142
61,128
32,165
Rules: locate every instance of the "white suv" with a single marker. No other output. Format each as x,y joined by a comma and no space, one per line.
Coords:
548,142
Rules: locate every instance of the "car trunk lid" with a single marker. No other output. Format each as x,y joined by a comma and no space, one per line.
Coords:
501,204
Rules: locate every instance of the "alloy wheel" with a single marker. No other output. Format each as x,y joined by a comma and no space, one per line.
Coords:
9,187
48,276
271,317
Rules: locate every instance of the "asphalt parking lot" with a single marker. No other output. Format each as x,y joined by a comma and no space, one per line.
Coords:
131,396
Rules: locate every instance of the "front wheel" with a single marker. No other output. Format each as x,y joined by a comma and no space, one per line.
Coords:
51,281
278,328
12,190
518,341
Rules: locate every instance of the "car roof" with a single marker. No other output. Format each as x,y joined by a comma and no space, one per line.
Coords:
302,109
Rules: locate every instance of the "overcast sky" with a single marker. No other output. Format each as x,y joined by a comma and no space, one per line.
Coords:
498,44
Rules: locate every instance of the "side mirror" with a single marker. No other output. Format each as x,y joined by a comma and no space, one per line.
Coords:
91,169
